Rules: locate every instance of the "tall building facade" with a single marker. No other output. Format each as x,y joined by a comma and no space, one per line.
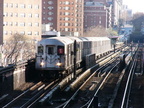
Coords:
127,14
116,11
97,13
1,22
23,17
65,16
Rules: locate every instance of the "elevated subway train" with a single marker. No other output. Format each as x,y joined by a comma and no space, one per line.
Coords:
56,54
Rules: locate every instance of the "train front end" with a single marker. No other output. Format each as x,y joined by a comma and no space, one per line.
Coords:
50,56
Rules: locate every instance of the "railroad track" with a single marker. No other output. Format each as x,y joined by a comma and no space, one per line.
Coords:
89,90
70,97
76,95
131,93
29,97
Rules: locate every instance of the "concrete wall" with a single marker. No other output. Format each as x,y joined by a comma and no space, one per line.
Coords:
11,80
18,78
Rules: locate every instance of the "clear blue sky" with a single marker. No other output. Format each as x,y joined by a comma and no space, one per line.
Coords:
135,5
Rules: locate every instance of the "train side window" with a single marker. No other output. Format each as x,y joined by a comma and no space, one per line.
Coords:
40,49
50,49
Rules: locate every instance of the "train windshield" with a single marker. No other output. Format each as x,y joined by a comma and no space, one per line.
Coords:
50,49
40,50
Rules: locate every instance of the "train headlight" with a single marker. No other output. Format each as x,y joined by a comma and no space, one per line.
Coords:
59,64
42,63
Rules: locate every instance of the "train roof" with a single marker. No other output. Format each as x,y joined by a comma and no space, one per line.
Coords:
94,38
56,40
69,40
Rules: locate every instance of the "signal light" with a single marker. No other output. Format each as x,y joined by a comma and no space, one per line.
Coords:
60,50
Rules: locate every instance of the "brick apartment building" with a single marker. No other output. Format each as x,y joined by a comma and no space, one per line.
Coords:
65,16
1,22
97,13
112,9
22,16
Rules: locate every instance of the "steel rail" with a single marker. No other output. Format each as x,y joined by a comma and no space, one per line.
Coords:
72,97
91,101
18,97
128,85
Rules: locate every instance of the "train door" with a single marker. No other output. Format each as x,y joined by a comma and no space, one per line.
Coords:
50,55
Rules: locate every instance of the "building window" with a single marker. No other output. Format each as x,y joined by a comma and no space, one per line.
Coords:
10,23
66,24
50,13
29,33
67,2
29,15
22,24
67,13
22,6
22,32
5,32
50,2
61,13
36,15
29,6
36,33
60,7
66,19
60,19
50,7
11,5
5,14
66,29
11,14
60,24
29,24
16,5
50,18
10,32
16,14
36,6
5,23
36,24
50,23
22,15
16,23
5,5
66,8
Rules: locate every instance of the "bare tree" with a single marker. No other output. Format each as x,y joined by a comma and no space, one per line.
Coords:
18,47
99,32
